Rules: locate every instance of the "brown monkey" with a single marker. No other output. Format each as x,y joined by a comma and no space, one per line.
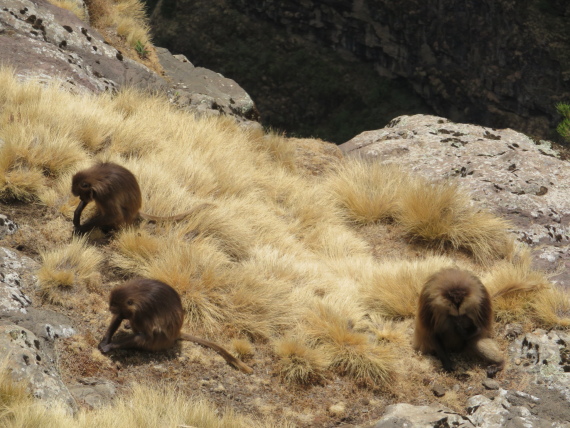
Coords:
117,195
455,313
155,315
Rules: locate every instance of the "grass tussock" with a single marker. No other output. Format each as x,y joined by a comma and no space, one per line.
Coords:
348,350
442,215
367,191
242,348
64,270
551,308
514,285
74,6
298,363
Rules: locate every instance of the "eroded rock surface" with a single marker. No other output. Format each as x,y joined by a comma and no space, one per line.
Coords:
27,334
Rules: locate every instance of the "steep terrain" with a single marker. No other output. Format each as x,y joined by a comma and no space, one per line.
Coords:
494,63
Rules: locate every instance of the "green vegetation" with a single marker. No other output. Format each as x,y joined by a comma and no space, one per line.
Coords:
563,127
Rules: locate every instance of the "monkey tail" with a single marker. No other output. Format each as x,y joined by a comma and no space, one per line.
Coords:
178,217
233,361
518,287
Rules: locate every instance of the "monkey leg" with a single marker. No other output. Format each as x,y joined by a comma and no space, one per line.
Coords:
104,222
442,354
135,341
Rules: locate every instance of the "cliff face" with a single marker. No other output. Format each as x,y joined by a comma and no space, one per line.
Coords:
498,63
298,84
495,62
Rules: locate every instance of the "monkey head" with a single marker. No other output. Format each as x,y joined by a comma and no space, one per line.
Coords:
123,303
81,187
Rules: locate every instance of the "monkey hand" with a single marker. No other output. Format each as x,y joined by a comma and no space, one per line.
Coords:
104,347
77,231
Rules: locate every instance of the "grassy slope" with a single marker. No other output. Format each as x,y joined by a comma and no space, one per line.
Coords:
315,279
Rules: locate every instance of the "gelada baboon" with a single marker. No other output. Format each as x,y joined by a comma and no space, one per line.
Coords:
455,314
155,314
117,195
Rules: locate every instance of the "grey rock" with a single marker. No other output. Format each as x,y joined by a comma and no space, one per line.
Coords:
45,42
407,415
546,355
204,91
14,271
438,390
27,334
94,392
491,384
29,363
7,226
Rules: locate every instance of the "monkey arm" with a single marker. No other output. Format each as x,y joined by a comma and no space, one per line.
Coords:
77,214
105,344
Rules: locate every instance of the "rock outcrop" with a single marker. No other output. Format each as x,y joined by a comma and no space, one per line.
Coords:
506,171
48,43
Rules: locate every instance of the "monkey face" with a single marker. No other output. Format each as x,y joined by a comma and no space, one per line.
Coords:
82,189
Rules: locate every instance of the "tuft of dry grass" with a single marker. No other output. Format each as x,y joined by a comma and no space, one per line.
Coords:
74,6
367,191
442,214
514,285
68,268
243,348
551,308
299,363
349,351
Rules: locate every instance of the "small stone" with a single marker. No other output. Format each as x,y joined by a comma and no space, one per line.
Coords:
219,388
491,384
438,390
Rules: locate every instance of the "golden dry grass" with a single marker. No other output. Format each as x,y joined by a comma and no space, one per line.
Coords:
143,406
74,6
66,269
441,214
298,362
273,253
368,191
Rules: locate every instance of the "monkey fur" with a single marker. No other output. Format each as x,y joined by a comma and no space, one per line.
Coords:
117,194
155,314
455,313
